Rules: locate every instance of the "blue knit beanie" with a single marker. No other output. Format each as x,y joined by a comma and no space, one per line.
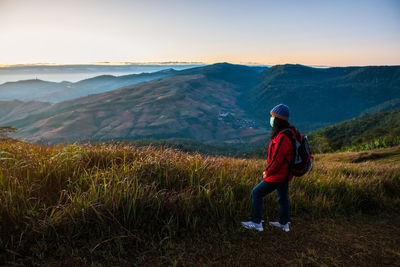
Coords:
281,111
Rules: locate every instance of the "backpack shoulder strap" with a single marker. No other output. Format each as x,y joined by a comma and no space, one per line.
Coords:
289,133
296,134
292,136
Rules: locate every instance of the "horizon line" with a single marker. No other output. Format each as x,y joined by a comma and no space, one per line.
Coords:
128,63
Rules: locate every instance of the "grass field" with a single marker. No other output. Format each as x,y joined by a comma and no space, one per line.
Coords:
107,204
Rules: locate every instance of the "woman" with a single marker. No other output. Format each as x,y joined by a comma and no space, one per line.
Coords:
277,174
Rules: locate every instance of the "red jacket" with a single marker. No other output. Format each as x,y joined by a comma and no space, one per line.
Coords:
280,154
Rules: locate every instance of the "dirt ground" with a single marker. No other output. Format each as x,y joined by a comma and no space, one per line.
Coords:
357,241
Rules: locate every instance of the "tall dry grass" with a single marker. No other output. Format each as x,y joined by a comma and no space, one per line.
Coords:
96,191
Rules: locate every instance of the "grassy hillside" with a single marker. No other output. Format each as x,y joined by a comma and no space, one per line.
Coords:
368,131
16,110
104,204
240,150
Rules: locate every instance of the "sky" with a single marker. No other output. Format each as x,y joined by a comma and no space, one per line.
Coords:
309,32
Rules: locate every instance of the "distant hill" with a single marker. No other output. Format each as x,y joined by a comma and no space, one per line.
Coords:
17,110
214,104
203,104
38,90
319,97
381,129
392,104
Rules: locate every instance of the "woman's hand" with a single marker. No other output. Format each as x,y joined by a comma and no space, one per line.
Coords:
264,175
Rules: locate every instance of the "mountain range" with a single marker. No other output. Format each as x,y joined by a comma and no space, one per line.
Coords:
219,103
38,90
320,97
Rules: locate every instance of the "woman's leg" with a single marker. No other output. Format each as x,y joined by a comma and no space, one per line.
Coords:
260,191
282,193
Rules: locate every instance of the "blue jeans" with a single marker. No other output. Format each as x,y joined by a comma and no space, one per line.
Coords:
263,189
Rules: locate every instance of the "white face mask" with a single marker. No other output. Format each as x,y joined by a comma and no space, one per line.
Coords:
271,121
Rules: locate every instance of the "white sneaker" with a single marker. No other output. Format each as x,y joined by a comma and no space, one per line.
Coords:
284,227
253,225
